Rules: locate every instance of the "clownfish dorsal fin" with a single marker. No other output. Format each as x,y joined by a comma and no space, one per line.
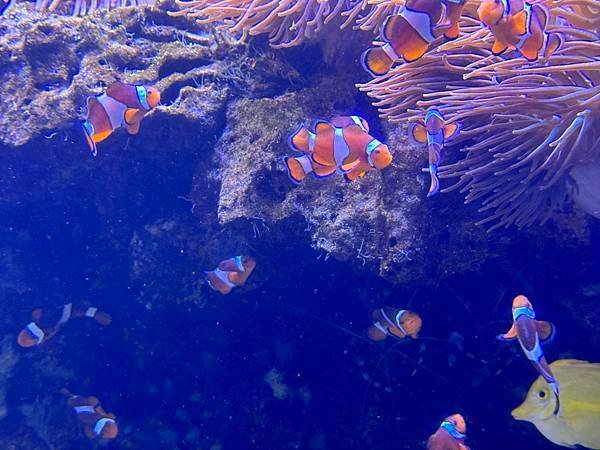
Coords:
451,131
510,335
520,22
115,88
417,133
321,126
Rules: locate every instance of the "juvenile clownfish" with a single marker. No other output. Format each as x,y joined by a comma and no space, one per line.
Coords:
96,422
434,132
390,321
122,105
408,34
230,273
46,323
531,334
518,25
343,144
450,435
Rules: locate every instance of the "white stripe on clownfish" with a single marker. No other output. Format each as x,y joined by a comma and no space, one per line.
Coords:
115,110
421,22
357,120
101,424
223,276
66,313
91,312
239,264
381,328
340,148
36,331
398,318
370,148
142,95
84,409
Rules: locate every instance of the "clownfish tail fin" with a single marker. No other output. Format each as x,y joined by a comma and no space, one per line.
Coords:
376,61
299,140
88,129
434,186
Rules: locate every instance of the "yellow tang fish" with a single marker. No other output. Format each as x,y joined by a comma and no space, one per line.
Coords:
578,419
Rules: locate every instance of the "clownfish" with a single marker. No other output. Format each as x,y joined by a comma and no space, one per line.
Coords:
230,273
531,334
450,435
342,145
390,321
408,34
46,323
4,4
122,105
97,423
518,25
435,132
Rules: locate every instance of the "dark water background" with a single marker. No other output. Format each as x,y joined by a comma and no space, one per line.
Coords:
191,374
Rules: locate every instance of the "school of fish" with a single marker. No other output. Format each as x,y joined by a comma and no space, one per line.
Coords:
563,403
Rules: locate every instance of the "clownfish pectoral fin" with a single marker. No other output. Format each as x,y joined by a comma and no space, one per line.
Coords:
546,331
376,61
354,175
511,335
299,140
451,131
520,23
417,134
499,47
554,41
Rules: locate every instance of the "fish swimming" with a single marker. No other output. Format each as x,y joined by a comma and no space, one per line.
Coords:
97,423
46,323
230,273
342,145
435,132
531,334
390,321
122,105
408,34
450,435
578,419
518,25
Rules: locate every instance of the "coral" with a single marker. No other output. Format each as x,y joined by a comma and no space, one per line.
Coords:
525,124
83,7
49,64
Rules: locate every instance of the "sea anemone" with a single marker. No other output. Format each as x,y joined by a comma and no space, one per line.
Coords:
525,125
287,22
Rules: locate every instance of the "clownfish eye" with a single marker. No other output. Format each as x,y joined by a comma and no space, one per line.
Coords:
542,394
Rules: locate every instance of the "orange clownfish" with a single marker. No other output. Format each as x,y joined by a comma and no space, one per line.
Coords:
409,33
435,132
531,334
390,321
46,323
450,435
518,25
343,144
230,273
97,423
121,105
